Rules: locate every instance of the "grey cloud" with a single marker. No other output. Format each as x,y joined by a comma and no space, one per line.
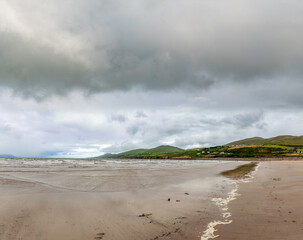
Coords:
4,127
245,120
241,121
140,114
132,130
116,75
138,128
42,129
119,118
37,71
150,45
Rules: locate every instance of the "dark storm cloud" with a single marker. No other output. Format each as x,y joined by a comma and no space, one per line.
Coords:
97,46
37,71
117,75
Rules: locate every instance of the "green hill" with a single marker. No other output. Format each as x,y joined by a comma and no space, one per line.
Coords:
285,140
164,149
256,147
248,141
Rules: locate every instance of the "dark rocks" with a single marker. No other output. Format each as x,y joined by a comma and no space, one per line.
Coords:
145,215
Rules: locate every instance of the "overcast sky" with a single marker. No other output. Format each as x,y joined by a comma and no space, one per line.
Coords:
79,78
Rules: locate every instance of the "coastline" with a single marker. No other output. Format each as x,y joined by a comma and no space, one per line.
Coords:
219,159
131,202
254,159
176,159
107,201
269,207
223,203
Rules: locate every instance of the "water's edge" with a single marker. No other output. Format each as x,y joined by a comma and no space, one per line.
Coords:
222,203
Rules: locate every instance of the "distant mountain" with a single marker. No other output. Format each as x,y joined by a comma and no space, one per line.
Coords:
248,141
137,152
279,140
6,156
256,147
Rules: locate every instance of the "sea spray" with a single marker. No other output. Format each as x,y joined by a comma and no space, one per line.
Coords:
209,233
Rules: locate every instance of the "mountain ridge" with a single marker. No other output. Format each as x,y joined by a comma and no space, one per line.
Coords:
162,149
288,140
279,146
7,156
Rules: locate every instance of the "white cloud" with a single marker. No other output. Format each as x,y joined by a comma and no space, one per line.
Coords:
76,126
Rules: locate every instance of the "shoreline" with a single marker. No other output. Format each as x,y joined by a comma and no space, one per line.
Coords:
123,201
254,159
223,205
157,201
269,207
214,159
171,159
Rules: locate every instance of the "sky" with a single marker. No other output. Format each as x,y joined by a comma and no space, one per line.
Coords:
79,78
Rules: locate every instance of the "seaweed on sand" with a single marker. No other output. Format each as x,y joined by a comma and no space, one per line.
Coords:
240,172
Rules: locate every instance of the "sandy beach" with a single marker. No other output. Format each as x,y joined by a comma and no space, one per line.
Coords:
104,200
269,207
148,199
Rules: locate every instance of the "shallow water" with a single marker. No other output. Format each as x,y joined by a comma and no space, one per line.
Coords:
111,175
131,186
106,163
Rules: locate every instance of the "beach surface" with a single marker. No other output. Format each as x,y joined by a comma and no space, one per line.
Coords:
270,206
149,199
131,199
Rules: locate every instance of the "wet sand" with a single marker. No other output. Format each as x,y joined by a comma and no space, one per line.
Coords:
103,200
269,207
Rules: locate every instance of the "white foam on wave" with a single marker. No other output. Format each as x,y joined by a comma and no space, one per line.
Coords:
103,163
209,233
